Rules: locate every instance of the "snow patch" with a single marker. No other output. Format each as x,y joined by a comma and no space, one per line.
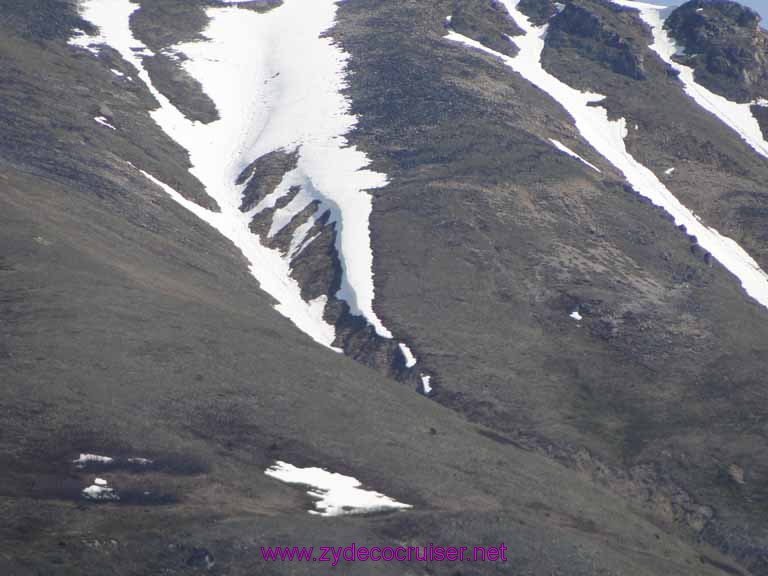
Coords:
425,384
100,490
116,72
576,315
669,171
84,459
410,359
103,121
607,138
336,494
291,98
563,148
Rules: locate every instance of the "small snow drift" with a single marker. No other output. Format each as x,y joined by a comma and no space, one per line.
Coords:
607,138
336,494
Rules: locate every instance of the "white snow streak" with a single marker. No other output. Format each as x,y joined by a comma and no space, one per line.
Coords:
563,148
737,116
277,84
336,494
669,171
607,138
410,359
103,121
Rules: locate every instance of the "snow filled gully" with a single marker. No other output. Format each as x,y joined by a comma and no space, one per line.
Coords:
277,84
607,138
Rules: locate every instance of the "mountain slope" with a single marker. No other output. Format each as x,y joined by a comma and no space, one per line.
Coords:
595,395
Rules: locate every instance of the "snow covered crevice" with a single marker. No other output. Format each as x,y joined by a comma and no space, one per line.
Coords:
277,84
736,116
335,494
607,138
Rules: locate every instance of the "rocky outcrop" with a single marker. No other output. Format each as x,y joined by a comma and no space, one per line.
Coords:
181,89
539,11
488,22
264,175
590,29
723,42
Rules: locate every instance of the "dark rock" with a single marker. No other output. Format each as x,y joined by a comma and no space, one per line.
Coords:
538,11
584,29
201,558
264,174
725,45
488,22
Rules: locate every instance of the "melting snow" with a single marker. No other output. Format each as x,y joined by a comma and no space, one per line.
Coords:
291,97
103,121
410,359
607,138
563,148
336,494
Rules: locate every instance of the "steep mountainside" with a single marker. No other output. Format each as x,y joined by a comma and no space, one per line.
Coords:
501,262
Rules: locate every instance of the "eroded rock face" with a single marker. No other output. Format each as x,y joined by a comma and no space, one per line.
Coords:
589,29
724,43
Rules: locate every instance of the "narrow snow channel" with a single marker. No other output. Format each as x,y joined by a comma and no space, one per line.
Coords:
737,116
607,138
563,148
336,494
277,83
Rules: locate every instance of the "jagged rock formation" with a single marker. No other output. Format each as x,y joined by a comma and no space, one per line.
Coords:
724,42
